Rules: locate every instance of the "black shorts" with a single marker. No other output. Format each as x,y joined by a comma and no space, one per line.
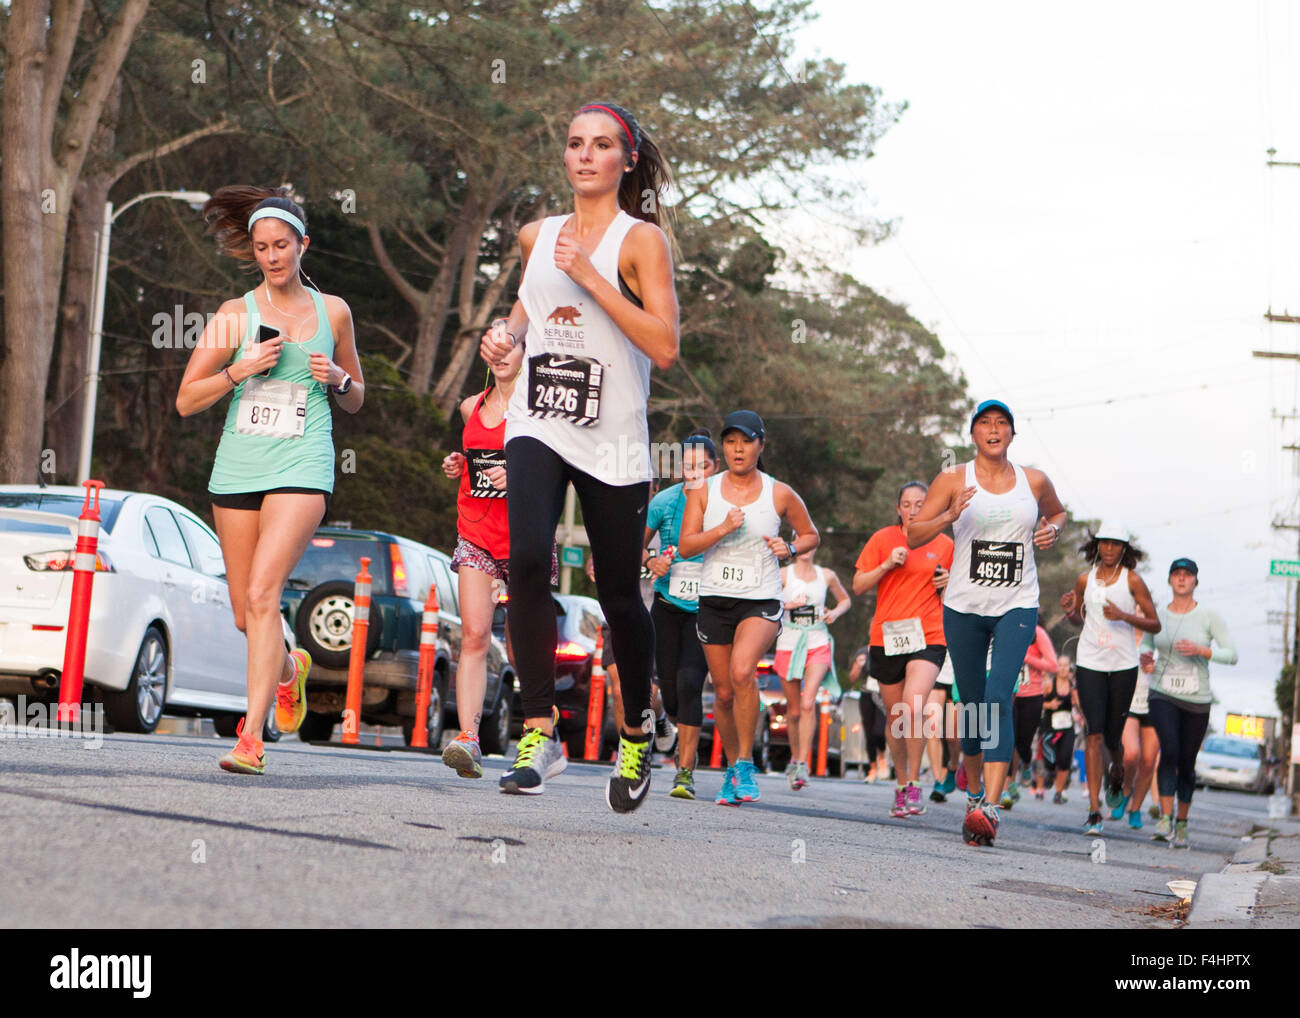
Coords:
1142,719
889,671
718,616
251,501
1104,698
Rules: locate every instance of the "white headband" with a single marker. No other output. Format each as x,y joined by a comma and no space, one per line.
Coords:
271,212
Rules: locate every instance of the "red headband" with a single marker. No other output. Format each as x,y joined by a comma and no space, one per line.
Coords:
605,109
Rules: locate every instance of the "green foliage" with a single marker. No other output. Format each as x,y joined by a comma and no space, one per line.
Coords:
1284,694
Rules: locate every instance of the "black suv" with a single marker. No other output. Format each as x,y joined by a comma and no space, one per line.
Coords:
318,602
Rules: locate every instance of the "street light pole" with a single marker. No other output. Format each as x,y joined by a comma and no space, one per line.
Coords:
193,198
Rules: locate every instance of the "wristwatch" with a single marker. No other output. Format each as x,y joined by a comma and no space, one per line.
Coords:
342,388
794,552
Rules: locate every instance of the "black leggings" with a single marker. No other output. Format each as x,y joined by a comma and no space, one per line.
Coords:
615,519
1104,698
682,668
1058,749
1028,715
1180,732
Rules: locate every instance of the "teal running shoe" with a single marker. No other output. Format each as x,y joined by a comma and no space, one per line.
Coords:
746,786
1135,819
1118,811
727,793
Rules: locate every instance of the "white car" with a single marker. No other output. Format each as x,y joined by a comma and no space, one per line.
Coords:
1233,761
161,638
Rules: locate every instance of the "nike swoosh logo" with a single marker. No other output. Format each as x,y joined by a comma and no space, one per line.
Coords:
635,793
561,362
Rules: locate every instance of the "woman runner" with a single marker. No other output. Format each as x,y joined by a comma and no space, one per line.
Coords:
999,513
1056,735
941,736
1108,597
735,520
482,556
681,664
1190,636
1040,661
598,303
1141,750
907,641
278,350
803,652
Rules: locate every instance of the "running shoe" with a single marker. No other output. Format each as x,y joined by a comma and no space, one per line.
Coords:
629,781
915,807
802,778
973,801
727,793
961,778
949,783
1010,795
1093,824
1164,829
537,757
981,825
464,756
792,776
899,808
936,793
1180,834
1060,799
247,757
1135,819
1118,811
1026,775
683,785
1039,794
746,786
1115,786
665,735
291,696
1153,811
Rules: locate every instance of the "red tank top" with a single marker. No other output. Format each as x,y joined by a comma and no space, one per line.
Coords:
481,516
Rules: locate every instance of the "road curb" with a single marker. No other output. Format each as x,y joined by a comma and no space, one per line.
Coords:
1227,899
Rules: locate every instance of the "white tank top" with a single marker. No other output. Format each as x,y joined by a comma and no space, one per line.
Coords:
586,382
741,564
1106,645
792,627
993,568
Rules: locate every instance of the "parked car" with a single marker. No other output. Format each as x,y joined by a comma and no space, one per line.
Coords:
577,625
1234,761
318,601
161,637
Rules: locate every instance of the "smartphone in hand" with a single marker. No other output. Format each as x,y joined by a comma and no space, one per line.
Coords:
264,335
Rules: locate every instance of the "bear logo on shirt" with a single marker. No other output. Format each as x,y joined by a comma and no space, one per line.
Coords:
567,315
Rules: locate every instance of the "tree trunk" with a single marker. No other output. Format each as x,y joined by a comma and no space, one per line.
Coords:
25,358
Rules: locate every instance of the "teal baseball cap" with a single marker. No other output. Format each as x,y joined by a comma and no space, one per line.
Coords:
993,404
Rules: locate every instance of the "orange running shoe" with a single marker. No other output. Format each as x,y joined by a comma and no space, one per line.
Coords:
291,696
247,756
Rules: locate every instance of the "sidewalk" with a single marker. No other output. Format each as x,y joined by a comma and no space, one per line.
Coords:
1259,889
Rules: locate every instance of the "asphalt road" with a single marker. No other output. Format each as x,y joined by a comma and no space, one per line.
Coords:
146,831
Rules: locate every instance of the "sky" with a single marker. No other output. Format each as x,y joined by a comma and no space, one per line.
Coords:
1085,218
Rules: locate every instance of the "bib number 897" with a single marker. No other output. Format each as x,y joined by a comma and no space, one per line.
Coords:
264,414
557,397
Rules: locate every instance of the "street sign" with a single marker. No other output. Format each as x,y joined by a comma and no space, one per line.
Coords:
1284,567
573,557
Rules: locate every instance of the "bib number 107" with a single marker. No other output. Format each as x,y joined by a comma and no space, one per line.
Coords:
556,397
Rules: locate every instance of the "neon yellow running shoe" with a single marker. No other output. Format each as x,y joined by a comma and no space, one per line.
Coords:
247,757
291,696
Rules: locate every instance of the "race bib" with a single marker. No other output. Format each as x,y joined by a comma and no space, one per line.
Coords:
480,462
803,617
736,571
996,563
272,408
1180,676
906,636
1061,720
564,387
684,581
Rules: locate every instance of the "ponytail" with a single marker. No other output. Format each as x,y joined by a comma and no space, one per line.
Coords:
227,213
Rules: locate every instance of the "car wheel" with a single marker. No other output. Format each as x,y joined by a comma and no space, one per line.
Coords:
316,727
271,728
495,734
324,624
139,707
433,720
763,745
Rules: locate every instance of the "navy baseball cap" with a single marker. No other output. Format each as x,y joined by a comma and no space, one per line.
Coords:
1184,563
746,422
990,404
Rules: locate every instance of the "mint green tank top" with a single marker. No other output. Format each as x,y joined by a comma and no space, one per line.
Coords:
246,463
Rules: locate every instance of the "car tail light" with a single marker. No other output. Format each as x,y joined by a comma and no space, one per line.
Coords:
62,561
765,666
570,651
322,542
568,715
399,572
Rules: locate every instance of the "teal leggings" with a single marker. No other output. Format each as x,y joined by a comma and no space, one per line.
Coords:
985,719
